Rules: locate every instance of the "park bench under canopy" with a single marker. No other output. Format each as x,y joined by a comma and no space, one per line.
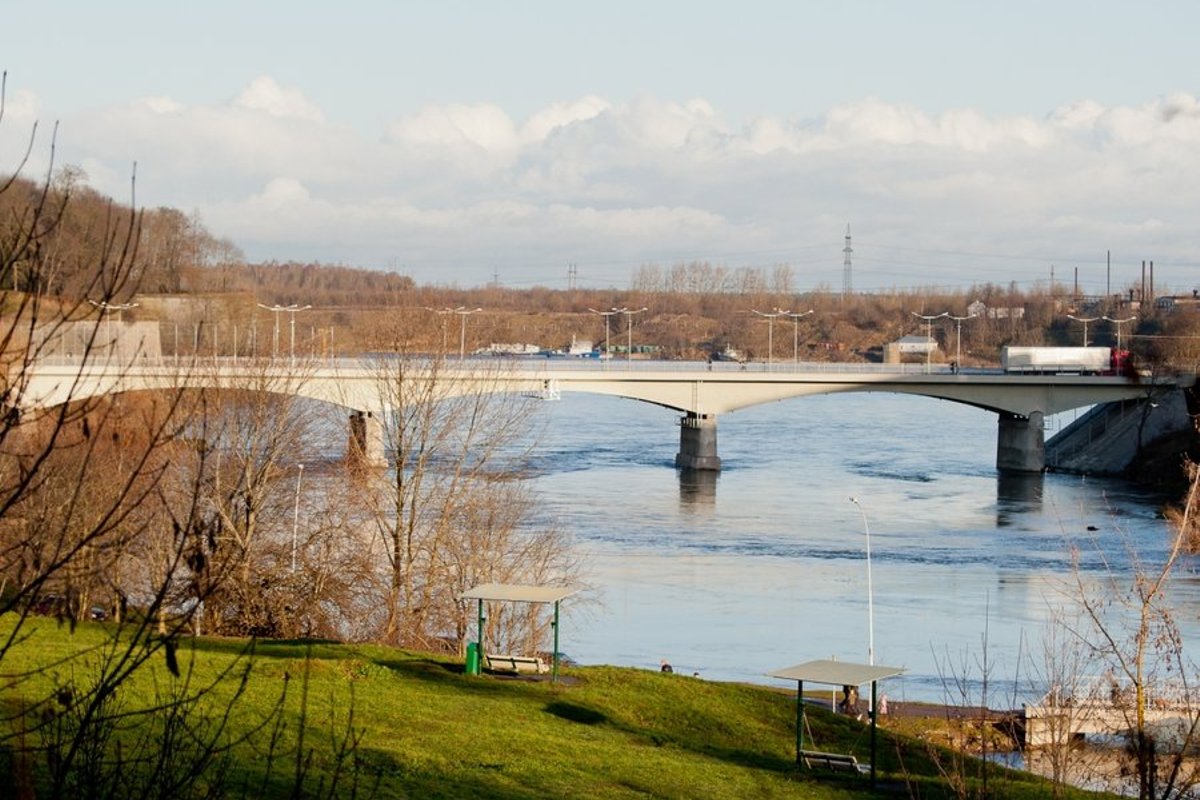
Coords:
519,593
835,673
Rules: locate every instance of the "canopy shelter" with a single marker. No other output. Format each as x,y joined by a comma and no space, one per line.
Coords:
519,593
835,673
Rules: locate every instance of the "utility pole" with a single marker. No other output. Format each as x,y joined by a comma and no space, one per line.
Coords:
847,271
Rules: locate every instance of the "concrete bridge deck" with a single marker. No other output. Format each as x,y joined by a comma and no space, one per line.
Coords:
700,391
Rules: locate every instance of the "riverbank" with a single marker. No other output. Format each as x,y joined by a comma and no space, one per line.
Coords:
403,723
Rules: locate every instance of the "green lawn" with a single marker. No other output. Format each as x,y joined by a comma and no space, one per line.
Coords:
426,730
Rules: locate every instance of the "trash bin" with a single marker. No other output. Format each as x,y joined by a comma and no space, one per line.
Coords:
472,658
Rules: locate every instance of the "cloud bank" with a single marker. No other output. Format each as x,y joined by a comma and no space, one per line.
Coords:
453,193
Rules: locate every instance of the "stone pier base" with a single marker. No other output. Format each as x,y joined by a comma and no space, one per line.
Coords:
365,448
1021,443
698,442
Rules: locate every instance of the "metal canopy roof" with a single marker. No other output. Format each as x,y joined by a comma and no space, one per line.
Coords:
837,673
518,593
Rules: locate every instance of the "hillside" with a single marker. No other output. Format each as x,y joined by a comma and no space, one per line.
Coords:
375,722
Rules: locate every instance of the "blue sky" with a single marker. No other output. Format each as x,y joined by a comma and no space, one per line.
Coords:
964,142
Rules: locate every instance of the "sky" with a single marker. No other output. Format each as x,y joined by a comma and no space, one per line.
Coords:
463,143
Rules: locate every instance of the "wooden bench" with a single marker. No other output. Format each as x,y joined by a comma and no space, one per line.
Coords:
833,761
517,664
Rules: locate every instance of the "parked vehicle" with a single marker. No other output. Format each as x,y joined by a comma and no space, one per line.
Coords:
1065,360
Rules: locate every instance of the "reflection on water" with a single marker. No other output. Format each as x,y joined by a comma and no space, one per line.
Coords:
697,487
1017,494
764,565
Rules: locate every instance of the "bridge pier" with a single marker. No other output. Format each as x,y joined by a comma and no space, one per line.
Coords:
1021,443
698,442
365,447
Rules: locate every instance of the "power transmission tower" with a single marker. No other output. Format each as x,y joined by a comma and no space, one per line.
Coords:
847,270
572,276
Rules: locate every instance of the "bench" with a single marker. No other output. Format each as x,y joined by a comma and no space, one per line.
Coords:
517,664
833,761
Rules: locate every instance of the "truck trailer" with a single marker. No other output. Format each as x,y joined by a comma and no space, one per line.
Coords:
1064,360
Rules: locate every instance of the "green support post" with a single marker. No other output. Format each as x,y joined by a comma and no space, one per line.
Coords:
554,674
874,714
479,629
799,721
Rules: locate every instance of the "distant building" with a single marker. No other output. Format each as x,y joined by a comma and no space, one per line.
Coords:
979,309
894,352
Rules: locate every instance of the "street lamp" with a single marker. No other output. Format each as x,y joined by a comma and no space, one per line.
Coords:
958,321
929,318
1119,323
1085,321
629,330
296,514
463,312
870,588
796,332
107,308
607,315
770,316
292,309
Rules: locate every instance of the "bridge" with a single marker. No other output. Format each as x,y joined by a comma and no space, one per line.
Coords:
700,392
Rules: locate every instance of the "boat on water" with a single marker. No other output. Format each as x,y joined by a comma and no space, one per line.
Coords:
727,354
579,348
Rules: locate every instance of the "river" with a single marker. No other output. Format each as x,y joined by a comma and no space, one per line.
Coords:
763,565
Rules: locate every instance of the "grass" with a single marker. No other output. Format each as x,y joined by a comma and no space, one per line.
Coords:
426,730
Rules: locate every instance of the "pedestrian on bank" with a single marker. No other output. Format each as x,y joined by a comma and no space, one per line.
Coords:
666,666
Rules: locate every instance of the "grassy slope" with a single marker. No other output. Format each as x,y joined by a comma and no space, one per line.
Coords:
428,731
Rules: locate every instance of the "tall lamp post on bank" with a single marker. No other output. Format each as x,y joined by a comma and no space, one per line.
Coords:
929,318
870,589
796,332
1085,321
1118,323
296,515
629,330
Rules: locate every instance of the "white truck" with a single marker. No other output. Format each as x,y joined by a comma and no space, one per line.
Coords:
1077,360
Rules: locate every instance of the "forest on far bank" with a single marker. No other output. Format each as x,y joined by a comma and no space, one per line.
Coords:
208,297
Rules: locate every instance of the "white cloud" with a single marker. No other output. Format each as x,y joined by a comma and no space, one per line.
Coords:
593,180
264,94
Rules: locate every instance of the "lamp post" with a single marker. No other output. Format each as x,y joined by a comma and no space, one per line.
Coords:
958,321
606,315
796,332
107,308
929,318
870,588
463,312
296,515
629,331
1085,321
770,317
1119,323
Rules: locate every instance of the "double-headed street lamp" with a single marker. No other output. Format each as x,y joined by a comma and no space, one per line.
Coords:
929,318
629,330
796,332
1085,321
463,312
958,321
107,308
770,317
292,309
1118,323
607,314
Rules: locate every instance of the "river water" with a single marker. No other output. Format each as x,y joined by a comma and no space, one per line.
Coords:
763,565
